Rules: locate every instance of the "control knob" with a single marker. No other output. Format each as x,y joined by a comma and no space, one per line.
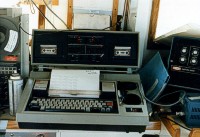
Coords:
182,60
193,61
184,50
195,52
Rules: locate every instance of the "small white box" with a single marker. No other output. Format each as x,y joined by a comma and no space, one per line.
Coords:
91,21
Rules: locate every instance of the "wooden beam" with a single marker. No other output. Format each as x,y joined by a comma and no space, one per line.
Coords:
153,22
195,132
173,128
154,125
114,13
41,19
70,14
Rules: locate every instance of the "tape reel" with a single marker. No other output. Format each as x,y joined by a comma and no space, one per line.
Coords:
9,37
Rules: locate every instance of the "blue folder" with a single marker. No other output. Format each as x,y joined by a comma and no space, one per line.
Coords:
154,77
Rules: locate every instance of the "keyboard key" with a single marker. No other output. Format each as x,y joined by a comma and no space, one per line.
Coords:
109,103
107,109
95,109
87,109
103,110
42,108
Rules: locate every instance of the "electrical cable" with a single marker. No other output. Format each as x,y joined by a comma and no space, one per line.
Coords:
166,105
31,7
66,24
177,123
55,14
168,94
111,26
59,30
43,15
60,18
24,30
48,33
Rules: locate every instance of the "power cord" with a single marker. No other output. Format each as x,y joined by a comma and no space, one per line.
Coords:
31,7
117,23
48,33
164,116
24,30
55,14
166,105
43,15
177,123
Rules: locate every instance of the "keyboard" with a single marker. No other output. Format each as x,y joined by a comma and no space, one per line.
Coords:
73,105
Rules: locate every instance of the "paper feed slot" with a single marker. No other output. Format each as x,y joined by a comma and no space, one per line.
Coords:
74,93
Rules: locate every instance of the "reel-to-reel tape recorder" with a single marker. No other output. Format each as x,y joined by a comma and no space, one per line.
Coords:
14,54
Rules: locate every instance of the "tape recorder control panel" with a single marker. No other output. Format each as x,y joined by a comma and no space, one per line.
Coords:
184,62
85,47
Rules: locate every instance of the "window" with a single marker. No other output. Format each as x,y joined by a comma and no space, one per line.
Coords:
168,15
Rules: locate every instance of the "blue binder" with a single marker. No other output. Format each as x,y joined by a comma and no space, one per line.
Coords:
154,77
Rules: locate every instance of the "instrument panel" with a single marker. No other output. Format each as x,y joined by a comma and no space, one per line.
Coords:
102,48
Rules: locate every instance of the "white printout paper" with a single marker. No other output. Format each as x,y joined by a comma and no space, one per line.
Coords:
12,41
74,80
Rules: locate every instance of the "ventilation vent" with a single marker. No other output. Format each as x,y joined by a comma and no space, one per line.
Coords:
192,111
197,117
195,109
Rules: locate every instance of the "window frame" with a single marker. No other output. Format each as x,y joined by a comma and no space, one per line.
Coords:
152,28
